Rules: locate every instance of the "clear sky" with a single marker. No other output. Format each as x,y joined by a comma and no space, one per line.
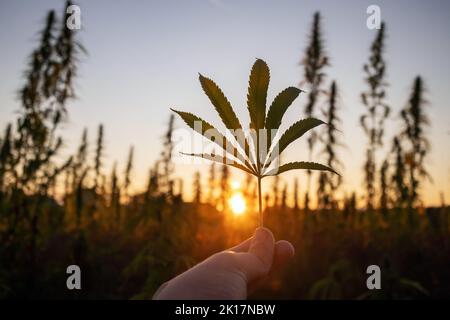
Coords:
144,57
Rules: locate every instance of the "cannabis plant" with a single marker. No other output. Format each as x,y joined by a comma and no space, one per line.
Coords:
329,185
314,62
255,151
377,111
416,121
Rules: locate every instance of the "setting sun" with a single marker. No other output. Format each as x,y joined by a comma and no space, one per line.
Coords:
235,185
237,204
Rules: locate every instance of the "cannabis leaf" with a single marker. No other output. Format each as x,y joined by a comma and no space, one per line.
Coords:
258,150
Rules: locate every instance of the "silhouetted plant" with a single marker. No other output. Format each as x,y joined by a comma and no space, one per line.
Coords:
98,162
322,197
329,184
48,86
80,170
127,173
212,184
384,198
349,205
179,195
166,182
248,189
276,191
284,197
314,62
398,176
197,188
296,194
265,150
377,111
79,196
306,201
224,187
153,182
33,145
5,156
415,121
115,193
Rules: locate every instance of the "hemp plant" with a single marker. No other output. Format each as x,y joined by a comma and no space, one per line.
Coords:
254,151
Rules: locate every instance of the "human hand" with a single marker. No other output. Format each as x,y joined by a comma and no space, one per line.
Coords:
230,274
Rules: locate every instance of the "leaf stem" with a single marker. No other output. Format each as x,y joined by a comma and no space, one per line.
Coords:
261,216
258,164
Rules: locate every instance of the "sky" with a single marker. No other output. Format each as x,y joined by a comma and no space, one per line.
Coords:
144,57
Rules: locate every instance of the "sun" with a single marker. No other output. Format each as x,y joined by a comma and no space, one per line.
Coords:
235,185
237,204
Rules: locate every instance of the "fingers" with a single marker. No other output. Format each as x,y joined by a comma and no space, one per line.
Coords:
256,263
262,247
260,255
284,251
243,246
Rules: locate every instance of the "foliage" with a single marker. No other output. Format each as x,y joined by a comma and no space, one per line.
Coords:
416,121
265,151
128,243
314,62
328,185
377,111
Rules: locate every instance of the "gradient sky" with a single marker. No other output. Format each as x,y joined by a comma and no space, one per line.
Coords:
144,57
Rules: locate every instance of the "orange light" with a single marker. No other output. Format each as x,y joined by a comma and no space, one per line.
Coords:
237,204
235,185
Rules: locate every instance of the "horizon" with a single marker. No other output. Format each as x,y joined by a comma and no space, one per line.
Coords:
164,59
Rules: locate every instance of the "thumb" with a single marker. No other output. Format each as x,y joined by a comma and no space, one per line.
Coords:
260,254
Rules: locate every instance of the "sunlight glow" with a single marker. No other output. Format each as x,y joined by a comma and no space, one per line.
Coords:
235,185
237,204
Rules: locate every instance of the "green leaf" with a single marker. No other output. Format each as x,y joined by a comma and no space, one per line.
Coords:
220,159
299,165
214,135
257,94
220,103
279,106
224,109
293,133
277,110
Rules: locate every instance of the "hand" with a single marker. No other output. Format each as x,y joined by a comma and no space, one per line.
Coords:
230,274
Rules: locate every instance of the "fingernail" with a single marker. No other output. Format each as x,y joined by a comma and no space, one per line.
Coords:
261,235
